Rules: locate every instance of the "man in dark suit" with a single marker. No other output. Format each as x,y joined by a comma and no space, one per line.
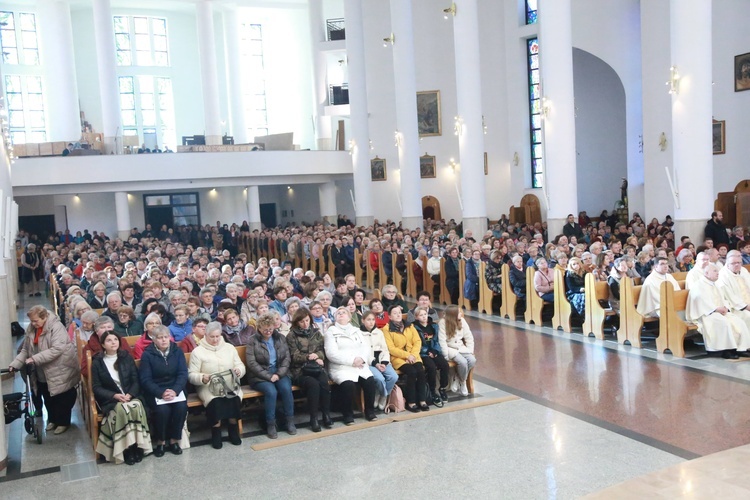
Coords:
572,228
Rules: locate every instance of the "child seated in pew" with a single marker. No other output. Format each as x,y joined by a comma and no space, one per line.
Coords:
575,290
618,272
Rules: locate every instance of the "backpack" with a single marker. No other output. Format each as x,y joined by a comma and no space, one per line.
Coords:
396,401
16,329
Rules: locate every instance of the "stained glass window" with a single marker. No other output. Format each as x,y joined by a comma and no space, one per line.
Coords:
537,160
531,11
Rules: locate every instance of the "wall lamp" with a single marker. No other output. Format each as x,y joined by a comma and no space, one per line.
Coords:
391,39
674,80
458,125
450,10
452,163
399,139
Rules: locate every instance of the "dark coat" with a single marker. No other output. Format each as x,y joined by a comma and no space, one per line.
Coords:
157,374
471,285
105,387
302,343
518,282
258,359
717,232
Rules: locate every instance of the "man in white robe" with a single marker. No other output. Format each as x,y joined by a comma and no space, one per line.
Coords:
722,330
649,300
714,257
734,284
701,261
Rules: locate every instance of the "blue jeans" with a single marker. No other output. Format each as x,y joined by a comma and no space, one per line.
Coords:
548,297
271,390
386,380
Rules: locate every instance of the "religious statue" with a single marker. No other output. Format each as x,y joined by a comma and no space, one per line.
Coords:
624,192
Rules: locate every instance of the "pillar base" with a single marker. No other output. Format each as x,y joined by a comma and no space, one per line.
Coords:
365,220
477,225
695,228
412,222
555,227
255,225
214,140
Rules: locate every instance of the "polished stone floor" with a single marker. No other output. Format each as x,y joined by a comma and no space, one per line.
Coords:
592,414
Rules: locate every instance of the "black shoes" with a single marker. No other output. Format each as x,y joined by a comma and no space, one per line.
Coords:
138,454
314,424
234,434
424,406
413,408
175,449
327,422
290,428
159,451
370,415
443,394
348,420
730,354
216,443
271,431
129,456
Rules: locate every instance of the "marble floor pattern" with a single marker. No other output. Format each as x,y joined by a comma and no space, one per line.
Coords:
592,415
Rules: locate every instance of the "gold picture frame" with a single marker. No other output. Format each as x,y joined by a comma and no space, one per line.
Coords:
429,117
486,165
742,72
427,168
378,171
719,137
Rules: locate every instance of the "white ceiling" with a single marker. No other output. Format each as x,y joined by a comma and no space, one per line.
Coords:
189,5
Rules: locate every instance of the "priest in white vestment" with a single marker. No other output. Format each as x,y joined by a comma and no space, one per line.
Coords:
701,261
648,302
734,283
722,330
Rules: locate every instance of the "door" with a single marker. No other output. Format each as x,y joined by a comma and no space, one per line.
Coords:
743,209
39,225
158,216
268,214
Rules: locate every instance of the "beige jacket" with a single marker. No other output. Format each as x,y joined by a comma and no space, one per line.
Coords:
206,360
54,356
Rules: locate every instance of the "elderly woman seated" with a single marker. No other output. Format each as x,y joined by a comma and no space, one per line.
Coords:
215,369
152,321
235,331
517,276
86,330
124,434
126,325
190,342
163,375
268,361
390,298
544,280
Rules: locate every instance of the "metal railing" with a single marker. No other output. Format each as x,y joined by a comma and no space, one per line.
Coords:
336,30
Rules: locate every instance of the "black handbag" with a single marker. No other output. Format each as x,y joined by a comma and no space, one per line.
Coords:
311,369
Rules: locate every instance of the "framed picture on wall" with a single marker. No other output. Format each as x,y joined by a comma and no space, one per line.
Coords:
719,137
428,113
742,72
486,166
427,166
378,170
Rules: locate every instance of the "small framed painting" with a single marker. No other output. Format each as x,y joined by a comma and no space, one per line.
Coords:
378,170
742,72
486,165
427,166
719,137
428,113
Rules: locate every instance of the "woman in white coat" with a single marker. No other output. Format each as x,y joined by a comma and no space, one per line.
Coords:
347,352
214,364
457,344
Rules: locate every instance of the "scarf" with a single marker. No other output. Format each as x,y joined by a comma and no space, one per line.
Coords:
234,330
396,327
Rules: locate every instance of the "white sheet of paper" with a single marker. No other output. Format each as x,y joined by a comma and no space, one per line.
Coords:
177,399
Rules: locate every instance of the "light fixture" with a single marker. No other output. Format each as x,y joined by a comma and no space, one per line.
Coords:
663,141
450,10
545,107
289,187
351,146
372,148
674,80
516,159
399,138
484,126
391,39
458,125
453,165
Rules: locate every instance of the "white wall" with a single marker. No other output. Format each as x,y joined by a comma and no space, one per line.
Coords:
730,38
600,133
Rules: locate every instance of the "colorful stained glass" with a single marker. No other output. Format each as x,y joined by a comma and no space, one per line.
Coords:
537,149
531,11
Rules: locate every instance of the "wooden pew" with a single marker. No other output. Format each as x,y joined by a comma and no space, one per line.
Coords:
321,264
445,296
534,303
561,318
485,294
411,283
595,314
358,267
382,278
397,278
331,265
672,328
370,272
631,321
508,306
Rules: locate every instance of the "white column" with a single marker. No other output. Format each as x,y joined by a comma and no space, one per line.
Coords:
253,208
56,47
234,74
471,136
122,211
323,132
327,196
556,48
104,36
355,50
690,27
406,116
209,68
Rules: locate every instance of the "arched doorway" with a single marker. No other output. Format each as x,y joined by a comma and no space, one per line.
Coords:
431,208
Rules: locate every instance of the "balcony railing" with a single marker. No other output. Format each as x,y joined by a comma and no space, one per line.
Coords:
338,94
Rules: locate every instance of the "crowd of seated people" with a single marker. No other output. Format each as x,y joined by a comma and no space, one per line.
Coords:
186,280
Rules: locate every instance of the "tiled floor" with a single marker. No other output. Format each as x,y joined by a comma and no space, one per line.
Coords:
593,414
